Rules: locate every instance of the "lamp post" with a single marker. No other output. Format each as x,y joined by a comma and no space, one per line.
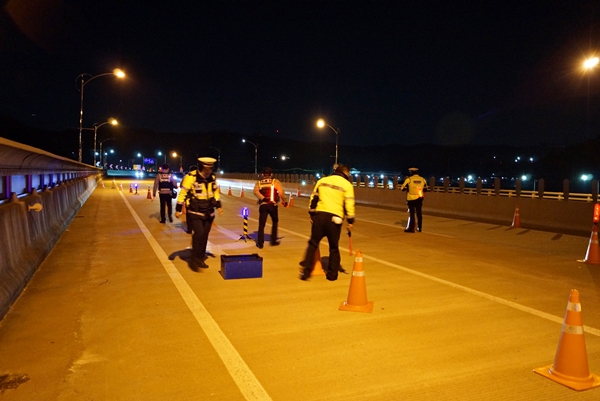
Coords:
321,123
589,64
219,158
174,154
111,121
101,154
106,157
141,157
82,82
255,155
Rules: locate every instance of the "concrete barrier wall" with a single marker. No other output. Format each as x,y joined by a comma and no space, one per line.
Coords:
28,235
561,216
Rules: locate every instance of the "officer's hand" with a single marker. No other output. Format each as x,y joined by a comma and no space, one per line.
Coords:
349,227
284,204
177,215
220,210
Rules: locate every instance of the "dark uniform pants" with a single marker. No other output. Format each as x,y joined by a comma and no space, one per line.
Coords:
166,201
265,210
200,230
415,207
322,226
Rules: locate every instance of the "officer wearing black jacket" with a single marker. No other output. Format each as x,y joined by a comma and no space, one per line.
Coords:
165,184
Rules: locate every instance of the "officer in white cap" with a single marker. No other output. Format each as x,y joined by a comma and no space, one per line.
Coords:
416,186
201,195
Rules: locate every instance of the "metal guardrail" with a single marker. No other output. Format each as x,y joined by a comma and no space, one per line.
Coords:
508,193
511,193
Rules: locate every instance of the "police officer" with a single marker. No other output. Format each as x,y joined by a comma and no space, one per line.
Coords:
165,184
200,192
269,192
331,200
416,186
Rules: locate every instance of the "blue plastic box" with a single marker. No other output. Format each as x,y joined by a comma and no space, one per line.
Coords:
241,266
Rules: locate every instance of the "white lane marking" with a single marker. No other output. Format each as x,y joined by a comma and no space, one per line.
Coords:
238,369
397,226
535,312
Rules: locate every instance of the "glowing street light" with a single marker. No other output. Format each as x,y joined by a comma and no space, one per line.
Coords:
588,65
174,154
82,79
111,121
255,155
321,123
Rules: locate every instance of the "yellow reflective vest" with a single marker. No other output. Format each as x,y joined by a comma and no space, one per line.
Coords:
416,186
200,194
333,194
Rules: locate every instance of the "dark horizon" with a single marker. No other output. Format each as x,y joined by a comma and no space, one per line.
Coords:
382,72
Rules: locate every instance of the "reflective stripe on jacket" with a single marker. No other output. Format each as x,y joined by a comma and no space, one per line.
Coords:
200,194
333,194
269,189
164,183
416,186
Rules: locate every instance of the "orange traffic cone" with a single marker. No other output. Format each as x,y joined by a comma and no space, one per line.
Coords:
317,266
149,196
592,255
357,295
298,194
242,193
114,185
291,202
229,192
102,184
516,219
570,366
130,188
121,186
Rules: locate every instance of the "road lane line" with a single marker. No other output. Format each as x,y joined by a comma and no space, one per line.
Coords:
237,367
535,312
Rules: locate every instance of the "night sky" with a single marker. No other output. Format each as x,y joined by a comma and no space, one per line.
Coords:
445,72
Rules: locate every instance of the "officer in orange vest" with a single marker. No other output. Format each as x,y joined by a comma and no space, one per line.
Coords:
416,186
269,192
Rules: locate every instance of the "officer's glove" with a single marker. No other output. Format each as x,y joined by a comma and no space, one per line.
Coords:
179,208
284,204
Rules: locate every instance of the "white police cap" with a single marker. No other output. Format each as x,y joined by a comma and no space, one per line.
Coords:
413,169
207,161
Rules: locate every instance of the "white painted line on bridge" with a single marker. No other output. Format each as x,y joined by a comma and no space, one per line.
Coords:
531,311
237,367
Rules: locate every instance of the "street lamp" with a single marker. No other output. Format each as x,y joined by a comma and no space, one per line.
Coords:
321,123
255,156
105,161
589,64
174,154
101,154
111,121
163,154
141,157
82,82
